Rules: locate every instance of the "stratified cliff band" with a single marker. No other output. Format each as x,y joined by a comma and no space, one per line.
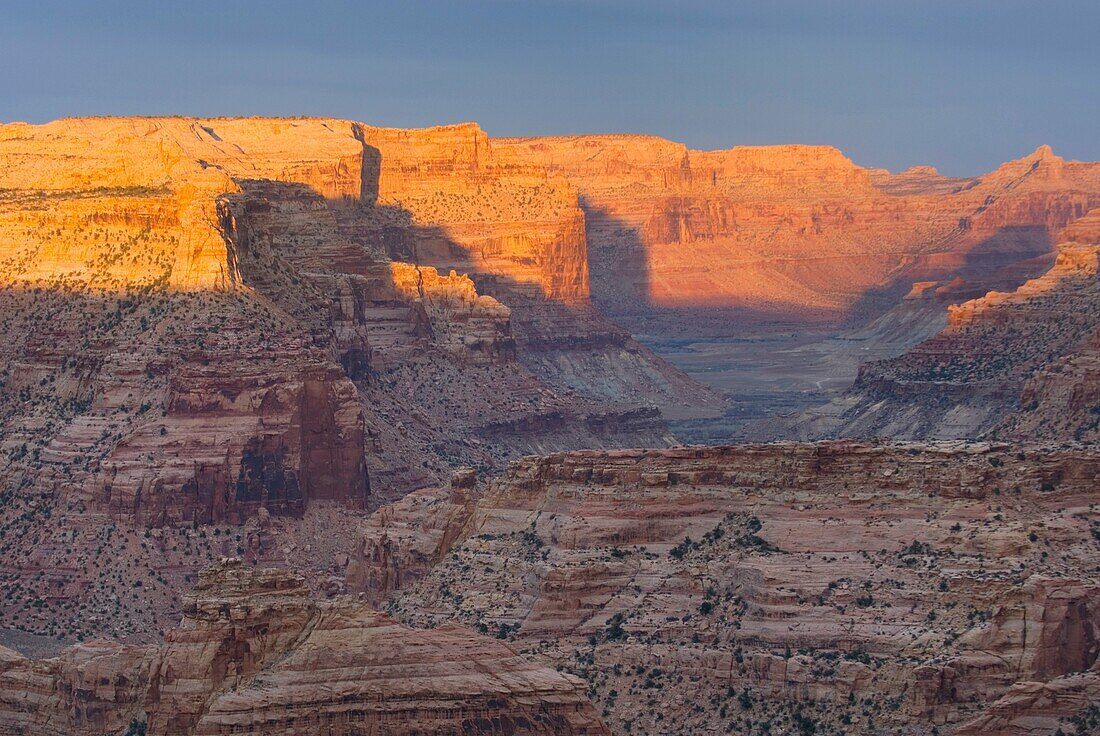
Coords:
351,402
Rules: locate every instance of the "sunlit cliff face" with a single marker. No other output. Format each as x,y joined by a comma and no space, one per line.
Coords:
143,373
471,209
106,203
109,202
795,230
782,229
107,207
1076,267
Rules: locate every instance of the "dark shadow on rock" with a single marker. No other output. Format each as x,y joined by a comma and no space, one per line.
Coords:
226,424
331,264
1002,262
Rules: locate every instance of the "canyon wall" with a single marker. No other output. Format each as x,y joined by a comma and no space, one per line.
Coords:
844,586
142,376
714,242
256,655
471,212
1020,364
227,322
232,275
381,263
454,199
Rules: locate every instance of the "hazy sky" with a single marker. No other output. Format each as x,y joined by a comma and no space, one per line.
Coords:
960,84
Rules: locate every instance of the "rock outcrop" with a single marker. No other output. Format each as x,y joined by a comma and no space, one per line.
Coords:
1066,704
720,241
853,586
90,688
256,655
401,542
230,321
1021,364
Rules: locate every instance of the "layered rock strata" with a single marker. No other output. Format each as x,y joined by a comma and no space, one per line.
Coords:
720,241
256,655
454,199
856,588
210,323
1020,364
454,371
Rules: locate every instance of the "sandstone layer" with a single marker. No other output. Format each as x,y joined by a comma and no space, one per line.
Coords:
851,588
256,655
1020,365
719,241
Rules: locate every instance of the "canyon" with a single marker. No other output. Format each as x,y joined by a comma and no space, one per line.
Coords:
217,323
773,273
308,425
1018,365
794,233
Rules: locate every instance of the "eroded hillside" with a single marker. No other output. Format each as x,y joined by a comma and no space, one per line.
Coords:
831,588
1020,365
206,319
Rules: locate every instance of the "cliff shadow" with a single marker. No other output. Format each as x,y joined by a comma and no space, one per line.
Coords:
616,255
349,247
624,283
1002,261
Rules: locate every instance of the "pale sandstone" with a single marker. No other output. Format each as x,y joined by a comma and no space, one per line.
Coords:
256,655
895,586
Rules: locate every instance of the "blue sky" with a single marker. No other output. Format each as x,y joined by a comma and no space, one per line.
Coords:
962,85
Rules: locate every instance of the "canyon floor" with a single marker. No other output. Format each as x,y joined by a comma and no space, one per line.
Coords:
769,374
